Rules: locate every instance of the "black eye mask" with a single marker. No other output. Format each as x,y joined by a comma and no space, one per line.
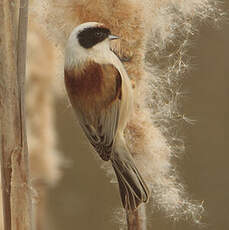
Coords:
92,36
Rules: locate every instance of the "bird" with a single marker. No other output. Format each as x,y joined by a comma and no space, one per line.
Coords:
101,95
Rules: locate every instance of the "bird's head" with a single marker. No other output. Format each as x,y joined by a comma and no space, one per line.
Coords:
89,40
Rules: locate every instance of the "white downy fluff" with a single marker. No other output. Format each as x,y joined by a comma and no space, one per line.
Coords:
167,26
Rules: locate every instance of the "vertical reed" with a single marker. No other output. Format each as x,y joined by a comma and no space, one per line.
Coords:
13,145
136,220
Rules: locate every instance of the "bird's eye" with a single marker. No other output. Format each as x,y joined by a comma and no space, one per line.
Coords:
99,34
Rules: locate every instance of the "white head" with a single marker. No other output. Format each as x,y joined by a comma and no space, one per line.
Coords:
88,41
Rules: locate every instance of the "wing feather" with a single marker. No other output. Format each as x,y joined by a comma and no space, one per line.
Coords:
97,107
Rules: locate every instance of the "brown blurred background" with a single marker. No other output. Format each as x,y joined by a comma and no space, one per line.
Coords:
74,203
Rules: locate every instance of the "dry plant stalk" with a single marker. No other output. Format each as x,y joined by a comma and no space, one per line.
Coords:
136,220
14,153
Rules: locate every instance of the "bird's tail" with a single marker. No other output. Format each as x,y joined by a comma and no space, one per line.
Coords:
132,187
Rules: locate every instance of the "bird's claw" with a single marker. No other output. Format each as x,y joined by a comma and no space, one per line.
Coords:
122,58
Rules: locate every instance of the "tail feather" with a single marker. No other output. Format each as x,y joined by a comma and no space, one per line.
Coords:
132,187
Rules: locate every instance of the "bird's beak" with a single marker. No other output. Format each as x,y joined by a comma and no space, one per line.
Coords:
113,37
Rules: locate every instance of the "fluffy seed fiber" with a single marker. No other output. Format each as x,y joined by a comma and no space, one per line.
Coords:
155,36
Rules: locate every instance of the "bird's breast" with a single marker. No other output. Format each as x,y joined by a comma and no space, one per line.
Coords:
84,83
94,86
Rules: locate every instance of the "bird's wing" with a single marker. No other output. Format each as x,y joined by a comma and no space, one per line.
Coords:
98,111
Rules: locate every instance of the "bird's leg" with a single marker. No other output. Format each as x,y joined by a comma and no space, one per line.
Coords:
122,58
